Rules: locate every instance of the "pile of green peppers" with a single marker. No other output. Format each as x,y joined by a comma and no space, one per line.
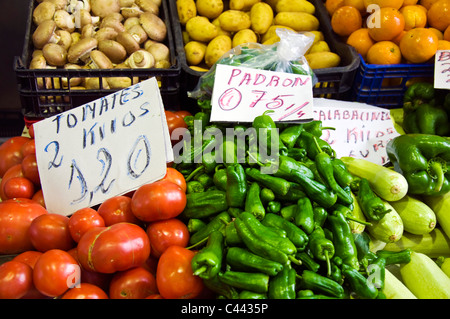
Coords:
426,110
284,235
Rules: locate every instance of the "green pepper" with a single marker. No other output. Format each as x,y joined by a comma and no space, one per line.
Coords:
195,224
236,192
315,128
242,259
278,185
397,257
219,222
220,178
307,261
247,294
318,283
296,235
282,286
232,237
208,261
359,283
341,173
422,159
287,164
320,215
343,240
205,179
371,204
267,132
295,192
253,203
304,215
273,207
321,247
220,288
290,135
306,141
299,154
267,195
288,212
257,282
376,270
336,273
200,205
234,211
194,187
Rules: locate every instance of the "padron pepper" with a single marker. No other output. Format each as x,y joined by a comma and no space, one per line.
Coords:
282,286
321,247
321,284
218,222
307,261
253,203
359,284
236,191
253,281
200,205
268,134
395,257
423,160
241,259
304,215
295,234
278,185
306,141
371,204
290,134
316,128
208,261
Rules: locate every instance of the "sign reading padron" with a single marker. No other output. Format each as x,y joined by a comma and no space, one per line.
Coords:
240,94
104,148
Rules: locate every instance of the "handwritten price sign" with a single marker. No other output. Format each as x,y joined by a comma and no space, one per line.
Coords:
442,69
102,149
240,94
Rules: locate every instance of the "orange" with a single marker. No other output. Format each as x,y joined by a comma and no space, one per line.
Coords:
427,3
415,17
410,2
361,41
332,5
443,45
419,45
438,33
447,34
397,4
439,15
345,20
385,24
384,52
358,4
397,39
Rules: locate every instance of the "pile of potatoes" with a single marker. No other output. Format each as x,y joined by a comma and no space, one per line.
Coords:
213,27
97,34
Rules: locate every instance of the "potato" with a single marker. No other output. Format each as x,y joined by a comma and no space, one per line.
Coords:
216,48
319,46
201,29
299,21
195,52
320,60
318,36
198,68
244,36
295,6
234,20
220,31
209,8
271,40
237,4
261,17
186,10
248,4
271,32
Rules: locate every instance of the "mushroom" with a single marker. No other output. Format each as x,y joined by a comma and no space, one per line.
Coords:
76,36
106,33
129,12
99,60
129,22
38,61
129,43
113,21
75,5
81,50
74,81
94,84
141,59
113,50
83,17
45,33
155,27
160,51
55,54
59,4
88,31
148,5
138,33
102,8
65,38
119,82
126,3
43,11
64,20
148,43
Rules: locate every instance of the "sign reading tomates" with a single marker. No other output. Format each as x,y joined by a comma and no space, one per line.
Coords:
104,148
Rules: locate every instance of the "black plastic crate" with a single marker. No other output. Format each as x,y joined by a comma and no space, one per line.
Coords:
38,102
333,82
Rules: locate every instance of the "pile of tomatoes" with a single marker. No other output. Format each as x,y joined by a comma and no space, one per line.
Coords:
131,246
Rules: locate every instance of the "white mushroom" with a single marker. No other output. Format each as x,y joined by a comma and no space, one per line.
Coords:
45,33
141,59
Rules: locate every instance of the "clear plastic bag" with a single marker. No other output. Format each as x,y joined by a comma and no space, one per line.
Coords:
287,55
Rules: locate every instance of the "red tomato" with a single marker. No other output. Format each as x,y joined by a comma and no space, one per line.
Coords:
115,248
39,198
158,200
30,169
174,277
16,216
14,171
29,147
85,291
18,187
83,220
16,279
51,231
55,272
183,113
165,233
174,121
31,131
28,257
10,153
174,176
154,296
135,283
117,209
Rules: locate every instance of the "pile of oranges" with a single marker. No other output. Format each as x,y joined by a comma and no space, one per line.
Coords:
392,31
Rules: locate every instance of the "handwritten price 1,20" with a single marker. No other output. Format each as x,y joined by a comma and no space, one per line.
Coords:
137,162
231,98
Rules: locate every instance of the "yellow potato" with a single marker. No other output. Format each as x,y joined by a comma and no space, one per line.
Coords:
271,40
237,4
261,17
272,4
195,52
216,48
220,31
318,36
320,60
201,29
319,46
185,36
234,20
198,69
271,32
244,36
209,8
248,4
299,21
186,10
295,6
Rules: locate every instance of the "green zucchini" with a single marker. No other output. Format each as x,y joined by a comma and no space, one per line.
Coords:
389,229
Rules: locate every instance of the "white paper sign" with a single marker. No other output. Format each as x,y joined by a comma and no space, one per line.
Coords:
361,130
442,69
104,148
240,94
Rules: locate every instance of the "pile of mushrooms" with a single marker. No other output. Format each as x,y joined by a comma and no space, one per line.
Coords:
98,34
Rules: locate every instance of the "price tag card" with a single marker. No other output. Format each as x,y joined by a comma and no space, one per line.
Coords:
442,69
240,94
104,148
360,130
